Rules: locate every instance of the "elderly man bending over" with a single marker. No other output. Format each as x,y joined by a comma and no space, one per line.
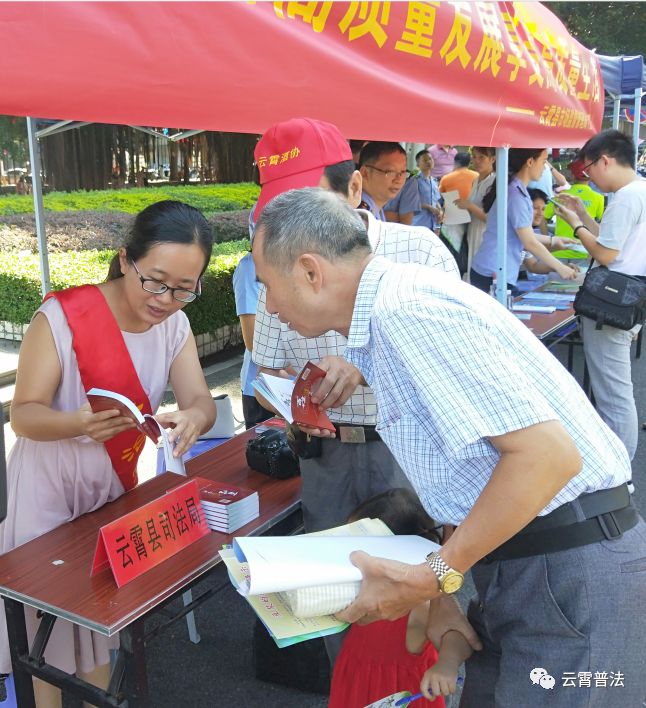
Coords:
498,439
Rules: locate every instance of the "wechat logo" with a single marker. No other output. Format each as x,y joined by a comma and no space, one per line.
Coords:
540,677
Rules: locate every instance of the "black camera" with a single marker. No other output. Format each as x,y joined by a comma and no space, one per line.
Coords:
270,454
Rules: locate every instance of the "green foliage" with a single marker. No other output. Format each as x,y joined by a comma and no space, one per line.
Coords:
13,138
611,28
208,198
20,283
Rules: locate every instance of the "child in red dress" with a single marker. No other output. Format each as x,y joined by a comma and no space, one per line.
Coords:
383,658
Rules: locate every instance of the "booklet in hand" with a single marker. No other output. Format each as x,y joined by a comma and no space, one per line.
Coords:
101,399
292,398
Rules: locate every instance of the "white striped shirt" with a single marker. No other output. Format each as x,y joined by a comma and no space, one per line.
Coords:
450,368
275,346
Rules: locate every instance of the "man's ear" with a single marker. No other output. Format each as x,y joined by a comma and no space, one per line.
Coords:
355,186
311,268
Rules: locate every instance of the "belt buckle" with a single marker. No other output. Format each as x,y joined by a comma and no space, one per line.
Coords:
609,526
352,434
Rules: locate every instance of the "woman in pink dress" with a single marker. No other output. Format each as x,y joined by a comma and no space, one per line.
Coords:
59,467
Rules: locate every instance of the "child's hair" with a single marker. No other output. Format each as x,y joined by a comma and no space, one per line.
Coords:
165,222
401,511
535,194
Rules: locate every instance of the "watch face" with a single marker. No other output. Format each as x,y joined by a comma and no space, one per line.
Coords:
452,582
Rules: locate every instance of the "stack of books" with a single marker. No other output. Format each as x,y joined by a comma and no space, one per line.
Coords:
226,508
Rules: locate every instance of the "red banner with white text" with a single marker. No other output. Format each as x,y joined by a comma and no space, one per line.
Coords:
485,73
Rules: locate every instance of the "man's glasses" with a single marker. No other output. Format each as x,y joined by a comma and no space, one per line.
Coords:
585,168
156,287
390,174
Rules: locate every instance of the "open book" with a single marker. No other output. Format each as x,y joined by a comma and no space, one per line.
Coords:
101,399
293,398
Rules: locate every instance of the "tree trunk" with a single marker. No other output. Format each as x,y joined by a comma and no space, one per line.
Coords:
84,158
233,156
173,155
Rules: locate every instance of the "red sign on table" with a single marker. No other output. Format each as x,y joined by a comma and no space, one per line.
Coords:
142,539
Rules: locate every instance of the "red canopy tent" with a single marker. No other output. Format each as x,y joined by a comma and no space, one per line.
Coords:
485,73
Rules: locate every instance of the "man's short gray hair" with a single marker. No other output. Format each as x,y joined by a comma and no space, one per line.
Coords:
310,220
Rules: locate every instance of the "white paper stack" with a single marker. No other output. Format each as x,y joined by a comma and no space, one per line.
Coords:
534,308
226,508
314,574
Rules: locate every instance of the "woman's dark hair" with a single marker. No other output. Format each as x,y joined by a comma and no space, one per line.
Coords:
488,151
401,511
516,161
165,222
338,175
611,143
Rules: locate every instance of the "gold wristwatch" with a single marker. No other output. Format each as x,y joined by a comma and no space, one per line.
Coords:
450,580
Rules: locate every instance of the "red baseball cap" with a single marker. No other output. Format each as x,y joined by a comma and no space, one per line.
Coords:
576,168
294,153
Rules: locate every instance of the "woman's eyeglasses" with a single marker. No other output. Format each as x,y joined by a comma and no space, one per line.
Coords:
156,287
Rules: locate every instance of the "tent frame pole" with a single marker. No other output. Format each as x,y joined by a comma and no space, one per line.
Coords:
37,193
616,106
636,121
502,170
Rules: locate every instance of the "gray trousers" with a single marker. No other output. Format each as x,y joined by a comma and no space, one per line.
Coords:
607,354
345,476
578,615
334,485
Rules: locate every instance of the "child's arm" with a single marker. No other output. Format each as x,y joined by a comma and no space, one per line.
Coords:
441,678
416,638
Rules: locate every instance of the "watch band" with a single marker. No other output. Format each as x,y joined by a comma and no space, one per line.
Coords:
576,228
438,566
449,579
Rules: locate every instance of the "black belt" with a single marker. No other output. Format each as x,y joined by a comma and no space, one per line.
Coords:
348,433
604,514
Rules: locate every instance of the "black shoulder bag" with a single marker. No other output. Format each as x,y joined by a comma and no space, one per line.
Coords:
612,298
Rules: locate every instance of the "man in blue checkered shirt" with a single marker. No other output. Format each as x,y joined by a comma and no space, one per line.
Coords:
497,438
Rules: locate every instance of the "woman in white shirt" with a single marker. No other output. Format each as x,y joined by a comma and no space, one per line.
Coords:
484,160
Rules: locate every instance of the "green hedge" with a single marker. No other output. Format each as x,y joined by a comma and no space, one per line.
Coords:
20,283
207,198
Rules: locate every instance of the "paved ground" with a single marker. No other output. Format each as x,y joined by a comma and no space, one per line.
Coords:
219,670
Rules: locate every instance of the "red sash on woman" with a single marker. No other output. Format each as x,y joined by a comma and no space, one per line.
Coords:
104,362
